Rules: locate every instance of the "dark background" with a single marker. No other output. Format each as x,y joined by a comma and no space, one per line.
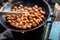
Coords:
51,2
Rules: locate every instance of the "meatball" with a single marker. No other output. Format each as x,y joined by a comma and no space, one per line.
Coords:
29,18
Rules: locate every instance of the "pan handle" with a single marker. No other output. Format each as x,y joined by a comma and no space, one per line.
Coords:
48,28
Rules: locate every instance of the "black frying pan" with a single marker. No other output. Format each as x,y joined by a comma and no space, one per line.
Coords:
29,3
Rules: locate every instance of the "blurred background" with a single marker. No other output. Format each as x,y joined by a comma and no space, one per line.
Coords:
52,3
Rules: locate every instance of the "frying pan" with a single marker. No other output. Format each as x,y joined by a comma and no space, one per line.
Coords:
29,3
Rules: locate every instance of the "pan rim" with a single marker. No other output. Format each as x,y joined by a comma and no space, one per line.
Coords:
35,27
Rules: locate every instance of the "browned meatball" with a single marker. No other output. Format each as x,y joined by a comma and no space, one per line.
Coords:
30,17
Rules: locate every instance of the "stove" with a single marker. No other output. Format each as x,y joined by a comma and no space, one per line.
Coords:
31,35
38,34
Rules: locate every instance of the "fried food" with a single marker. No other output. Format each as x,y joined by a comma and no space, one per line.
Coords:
31,17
